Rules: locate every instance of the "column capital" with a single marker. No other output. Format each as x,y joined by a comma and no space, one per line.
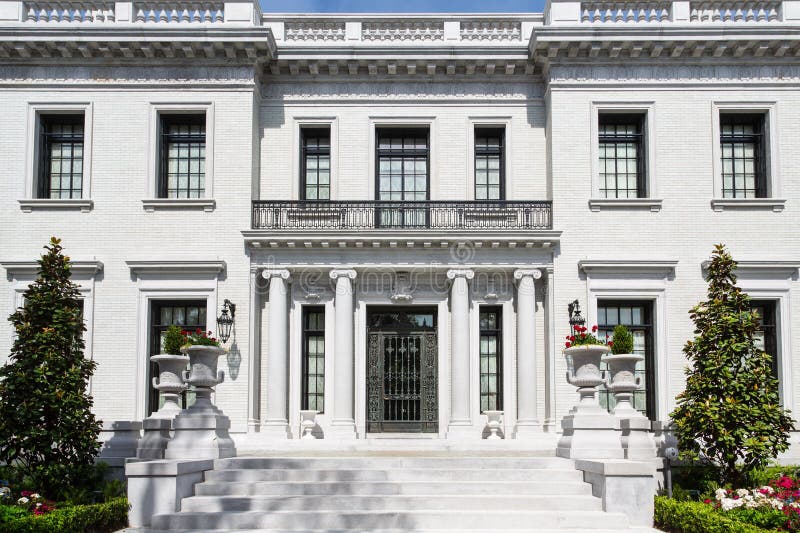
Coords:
269,273
535,273
336,273
460,273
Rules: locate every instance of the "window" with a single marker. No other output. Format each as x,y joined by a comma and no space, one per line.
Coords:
316,164
491,357
767,334
182,171
402,175
60,156
489,163
637,317
313,358
189,315
743,156
622,155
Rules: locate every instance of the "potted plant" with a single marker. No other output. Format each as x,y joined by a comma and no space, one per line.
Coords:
171,365
203,351
622,367
585,351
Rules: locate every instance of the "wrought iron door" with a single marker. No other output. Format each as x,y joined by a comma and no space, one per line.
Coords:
402,382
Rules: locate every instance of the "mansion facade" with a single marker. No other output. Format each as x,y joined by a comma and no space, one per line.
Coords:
401,208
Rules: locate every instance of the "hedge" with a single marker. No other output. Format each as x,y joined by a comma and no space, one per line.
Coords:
696,517
97,518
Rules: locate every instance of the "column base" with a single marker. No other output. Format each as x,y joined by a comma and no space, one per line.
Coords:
527,429
463,431
342,430
275,430
590,436
636,439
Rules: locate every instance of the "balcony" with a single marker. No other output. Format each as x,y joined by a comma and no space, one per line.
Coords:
403,216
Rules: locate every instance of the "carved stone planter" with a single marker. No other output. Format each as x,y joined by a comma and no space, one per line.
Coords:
308,421
589,431
170,383
494,423
201,431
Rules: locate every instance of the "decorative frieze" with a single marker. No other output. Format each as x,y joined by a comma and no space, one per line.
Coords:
425,30
495,30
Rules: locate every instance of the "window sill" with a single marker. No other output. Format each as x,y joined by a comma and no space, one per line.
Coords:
653,204
83,204
206,204
776,204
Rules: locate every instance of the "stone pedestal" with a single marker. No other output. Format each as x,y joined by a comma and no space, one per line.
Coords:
120,440
637,441
201,432
154,441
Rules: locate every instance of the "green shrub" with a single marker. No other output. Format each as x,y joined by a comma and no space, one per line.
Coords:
765,518
622,340
11,512
98,518
173,340
695,517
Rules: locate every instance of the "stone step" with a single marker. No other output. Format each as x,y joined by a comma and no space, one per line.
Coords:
392,462
406,474
313,488
405,520
391,503
511,530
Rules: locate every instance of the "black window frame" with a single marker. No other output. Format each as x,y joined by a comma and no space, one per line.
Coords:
497,334
399,216
648,319
308,332
307,151
768,324
165,120
155,330
639,139
759,123
46,141
485,151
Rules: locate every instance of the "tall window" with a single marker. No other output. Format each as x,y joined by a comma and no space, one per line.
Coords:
402,174
60,156
491,357
183,156
622,155
489,163
189,315
637,317
316,165
767,334
742,143
313,358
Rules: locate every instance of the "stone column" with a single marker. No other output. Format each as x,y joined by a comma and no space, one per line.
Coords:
276,423
254,353
460,419
527,416
343,424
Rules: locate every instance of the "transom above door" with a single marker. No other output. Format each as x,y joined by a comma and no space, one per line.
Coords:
402,371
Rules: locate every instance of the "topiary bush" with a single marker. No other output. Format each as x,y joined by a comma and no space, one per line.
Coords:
730,414
47,429
622,340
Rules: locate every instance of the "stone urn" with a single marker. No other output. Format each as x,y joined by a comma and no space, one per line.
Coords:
308,421
585,373
622,382
169,382
494,423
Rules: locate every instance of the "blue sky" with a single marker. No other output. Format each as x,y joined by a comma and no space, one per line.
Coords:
402,6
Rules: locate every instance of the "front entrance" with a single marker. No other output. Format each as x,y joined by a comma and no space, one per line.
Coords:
402,370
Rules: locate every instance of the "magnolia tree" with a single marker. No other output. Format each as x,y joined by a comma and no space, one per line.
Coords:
47,429
729,415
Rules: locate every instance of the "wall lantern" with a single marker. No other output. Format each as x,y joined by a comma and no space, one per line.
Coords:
225,321
575,318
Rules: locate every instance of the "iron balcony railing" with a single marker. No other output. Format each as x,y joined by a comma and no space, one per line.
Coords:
411,215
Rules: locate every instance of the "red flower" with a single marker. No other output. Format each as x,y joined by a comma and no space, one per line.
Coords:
706,501
594,328
611,343
567,344
568,337
26,493
571,338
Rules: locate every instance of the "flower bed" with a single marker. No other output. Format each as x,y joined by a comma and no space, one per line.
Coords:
97,518
697,517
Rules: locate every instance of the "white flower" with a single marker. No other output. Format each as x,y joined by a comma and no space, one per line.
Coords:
720,494
742,493
23,500
35,496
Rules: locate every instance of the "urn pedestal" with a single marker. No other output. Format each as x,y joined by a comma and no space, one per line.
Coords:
201,431
308,421
590,432
636,440
494,422
158,425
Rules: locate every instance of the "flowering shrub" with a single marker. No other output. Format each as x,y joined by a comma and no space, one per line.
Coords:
199,338
582,338
782,494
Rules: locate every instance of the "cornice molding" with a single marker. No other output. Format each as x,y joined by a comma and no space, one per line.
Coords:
189,267
765,268
627,266
88,267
